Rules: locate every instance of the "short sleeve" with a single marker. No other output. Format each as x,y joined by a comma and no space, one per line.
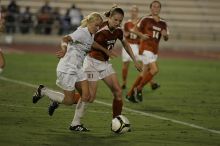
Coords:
78,35
120,35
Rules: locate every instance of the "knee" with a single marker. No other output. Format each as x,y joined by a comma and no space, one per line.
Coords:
118,93
67,101
86,97
154,71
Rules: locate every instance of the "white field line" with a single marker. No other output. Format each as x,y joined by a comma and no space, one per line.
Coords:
126,109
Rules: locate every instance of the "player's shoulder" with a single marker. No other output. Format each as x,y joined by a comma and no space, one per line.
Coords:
104,26
146,17
128,21
80,31
163,20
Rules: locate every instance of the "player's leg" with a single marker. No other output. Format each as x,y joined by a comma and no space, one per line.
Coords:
2,61
125,67
76,125
126,59
154,85
93,85
67,98
112,82
147,76
130,95
54,104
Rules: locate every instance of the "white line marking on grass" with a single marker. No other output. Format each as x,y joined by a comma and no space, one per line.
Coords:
127,109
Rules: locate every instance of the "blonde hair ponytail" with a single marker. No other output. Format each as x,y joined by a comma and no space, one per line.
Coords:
90,18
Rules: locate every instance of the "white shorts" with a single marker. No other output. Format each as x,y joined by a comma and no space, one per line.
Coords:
135,49
67,81
148,57
96,69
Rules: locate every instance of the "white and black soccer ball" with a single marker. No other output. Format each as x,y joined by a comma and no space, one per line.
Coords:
120,124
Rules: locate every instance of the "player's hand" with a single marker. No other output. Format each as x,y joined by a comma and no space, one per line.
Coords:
112,54
144,37
60,53
138,66
164,32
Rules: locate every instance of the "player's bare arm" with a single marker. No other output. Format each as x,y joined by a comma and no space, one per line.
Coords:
61,53
111,54
138,33
164,34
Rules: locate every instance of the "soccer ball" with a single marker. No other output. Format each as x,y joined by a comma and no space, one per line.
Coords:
120,124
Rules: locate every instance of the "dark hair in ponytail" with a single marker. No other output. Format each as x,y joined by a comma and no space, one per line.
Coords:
113,11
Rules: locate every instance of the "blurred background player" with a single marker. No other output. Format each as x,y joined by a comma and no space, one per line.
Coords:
149,29
2,59
134,41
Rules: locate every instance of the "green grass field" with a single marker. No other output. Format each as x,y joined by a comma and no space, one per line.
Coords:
185,111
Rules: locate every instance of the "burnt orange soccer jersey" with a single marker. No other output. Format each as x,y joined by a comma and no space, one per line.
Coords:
106,38
131,38
149,26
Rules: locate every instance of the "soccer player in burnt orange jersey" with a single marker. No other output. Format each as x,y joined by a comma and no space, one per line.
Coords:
97,65
149,29
134,41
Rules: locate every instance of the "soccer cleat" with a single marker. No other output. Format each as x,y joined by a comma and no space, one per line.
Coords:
79,128
131,99
138,95
154,86
37,96
123,87
54,105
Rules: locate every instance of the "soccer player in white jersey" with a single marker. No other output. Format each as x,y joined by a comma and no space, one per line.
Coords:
70,73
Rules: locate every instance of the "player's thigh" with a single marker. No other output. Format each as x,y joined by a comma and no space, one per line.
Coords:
112,82
153,67
83,87
93,85
68,95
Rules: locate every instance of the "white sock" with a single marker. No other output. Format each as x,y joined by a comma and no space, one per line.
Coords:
79,112
53,95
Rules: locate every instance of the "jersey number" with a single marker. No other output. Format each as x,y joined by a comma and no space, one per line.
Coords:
156,34
110,46
133,36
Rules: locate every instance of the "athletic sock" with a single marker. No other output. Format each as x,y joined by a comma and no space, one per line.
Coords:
53,95
117,107
79,112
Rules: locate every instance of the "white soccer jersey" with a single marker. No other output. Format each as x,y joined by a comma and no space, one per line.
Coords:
77,50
